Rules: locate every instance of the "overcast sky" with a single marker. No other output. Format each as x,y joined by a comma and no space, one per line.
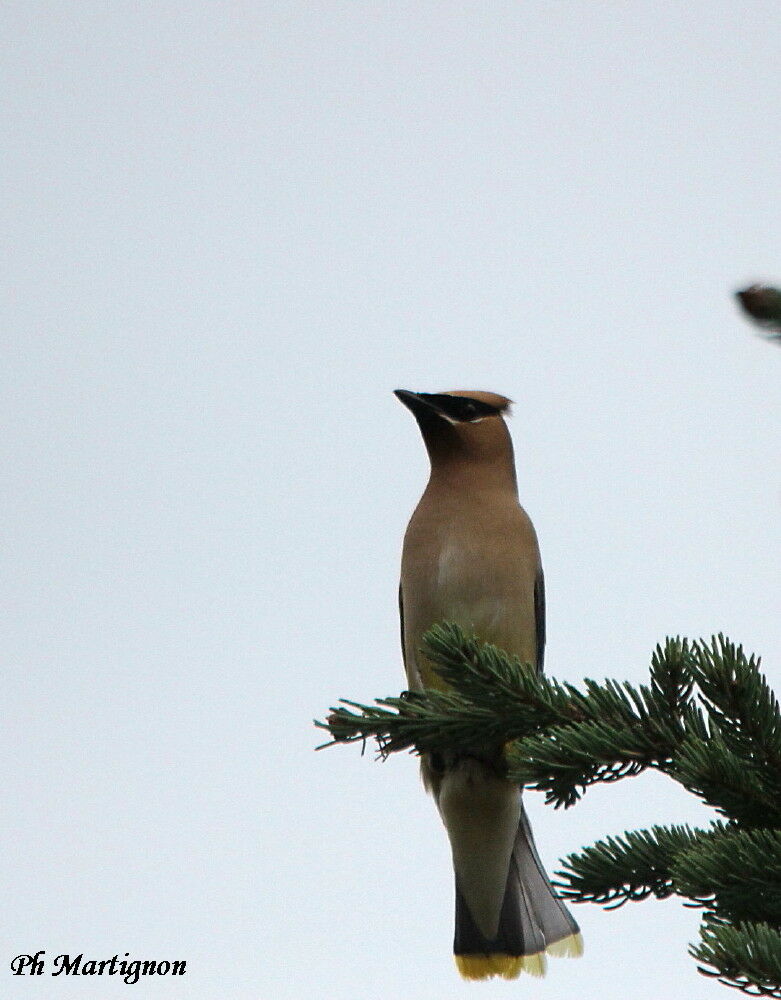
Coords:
229,231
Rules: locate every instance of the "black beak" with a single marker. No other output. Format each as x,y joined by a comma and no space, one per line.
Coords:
414,401
456,409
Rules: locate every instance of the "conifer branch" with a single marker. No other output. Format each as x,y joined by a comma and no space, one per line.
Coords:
632,867
707,718
746,956
737,871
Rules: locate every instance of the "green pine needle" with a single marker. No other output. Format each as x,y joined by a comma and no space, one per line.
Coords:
707,718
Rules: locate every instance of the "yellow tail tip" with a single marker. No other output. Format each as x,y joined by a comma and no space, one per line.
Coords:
568,947
506,966
511,966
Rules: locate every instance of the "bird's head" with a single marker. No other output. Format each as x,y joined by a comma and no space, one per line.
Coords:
462,426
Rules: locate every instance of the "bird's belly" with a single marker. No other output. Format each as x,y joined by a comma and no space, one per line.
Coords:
463,588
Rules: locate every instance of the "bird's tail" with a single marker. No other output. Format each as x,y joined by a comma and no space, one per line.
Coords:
533,921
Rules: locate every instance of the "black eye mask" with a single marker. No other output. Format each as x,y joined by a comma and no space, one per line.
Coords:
462,409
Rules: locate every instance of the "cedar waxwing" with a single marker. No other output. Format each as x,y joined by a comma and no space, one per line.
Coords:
763,304
471,556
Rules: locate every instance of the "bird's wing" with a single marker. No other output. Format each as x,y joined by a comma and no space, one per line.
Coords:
401,621
539,618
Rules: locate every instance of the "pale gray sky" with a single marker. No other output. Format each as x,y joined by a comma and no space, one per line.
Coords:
229,231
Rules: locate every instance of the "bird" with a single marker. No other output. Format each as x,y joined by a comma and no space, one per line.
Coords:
471,556
762,303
